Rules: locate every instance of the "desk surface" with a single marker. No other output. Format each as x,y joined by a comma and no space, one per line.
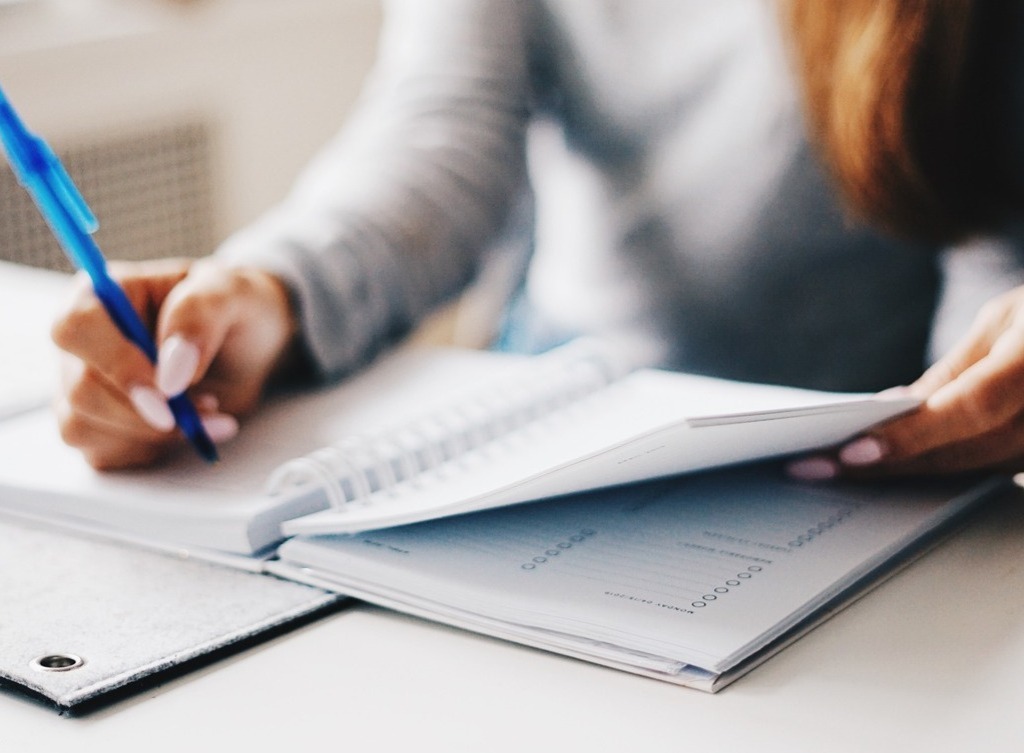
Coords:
29,299
930,660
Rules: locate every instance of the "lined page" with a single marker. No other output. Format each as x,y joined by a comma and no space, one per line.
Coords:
185,501
701,570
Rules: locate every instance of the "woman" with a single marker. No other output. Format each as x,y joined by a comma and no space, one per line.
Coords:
820,194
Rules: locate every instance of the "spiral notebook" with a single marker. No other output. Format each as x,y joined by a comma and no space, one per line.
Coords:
425,434
691,580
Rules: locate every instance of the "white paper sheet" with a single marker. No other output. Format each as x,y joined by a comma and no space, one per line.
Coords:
703,570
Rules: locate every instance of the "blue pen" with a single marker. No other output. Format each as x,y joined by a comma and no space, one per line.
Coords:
65,211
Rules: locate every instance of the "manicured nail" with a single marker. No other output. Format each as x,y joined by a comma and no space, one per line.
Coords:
863,451
813,469
220,426
176,365
152,407
206,402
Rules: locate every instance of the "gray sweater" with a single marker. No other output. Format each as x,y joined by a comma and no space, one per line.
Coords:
640,168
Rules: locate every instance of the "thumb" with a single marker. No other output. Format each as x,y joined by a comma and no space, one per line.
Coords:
224,326
192,326
177,365
975,345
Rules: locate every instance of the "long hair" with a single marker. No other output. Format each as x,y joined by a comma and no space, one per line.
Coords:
900,98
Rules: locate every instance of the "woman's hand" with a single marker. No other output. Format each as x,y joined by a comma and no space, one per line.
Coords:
221,333
972,416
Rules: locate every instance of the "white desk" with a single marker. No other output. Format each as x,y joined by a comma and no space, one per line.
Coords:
933,660
29,300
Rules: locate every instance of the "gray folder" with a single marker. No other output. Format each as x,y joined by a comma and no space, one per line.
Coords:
84,621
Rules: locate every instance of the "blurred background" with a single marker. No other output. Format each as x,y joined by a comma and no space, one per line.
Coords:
180,120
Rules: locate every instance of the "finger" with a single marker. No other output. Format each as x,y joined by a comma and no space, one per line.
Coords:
999,450
89,396
105,441
86,330
224,327
119,390
193,327
993,319
100,435
954,363
810,468
96,418
984,397
969,392
101,448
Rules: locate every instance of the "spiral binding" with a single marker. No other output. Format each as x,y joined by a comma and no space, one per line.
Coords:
353,469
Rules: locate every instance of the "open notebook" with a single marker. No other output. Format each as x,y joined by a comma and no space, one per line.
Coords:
426,434
691,579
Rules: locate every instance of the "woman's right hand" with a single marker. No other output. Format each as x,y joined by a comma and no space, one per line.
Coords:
222,333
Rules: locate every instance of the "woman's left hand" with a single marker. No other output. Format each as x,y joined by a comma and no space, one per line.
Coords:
971,417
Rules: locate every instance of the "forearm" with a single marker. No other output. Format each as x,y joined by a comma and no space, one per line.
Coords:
391,219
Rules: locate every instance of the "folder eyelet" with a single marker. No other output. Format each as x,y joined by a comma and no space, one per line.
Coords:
57,663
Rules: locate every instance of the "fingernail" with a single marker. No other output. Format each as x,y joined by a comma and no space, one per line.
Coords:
152,407
176,365
206,402
863,451
220,426
813,469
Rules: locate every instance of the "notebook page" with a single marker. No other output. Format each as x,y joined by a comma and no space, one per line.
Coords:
29,299
648,424
701,570
223,506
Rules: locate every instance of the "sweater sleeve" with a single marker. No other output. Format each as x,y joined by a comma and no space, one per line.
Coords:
392,217
973,273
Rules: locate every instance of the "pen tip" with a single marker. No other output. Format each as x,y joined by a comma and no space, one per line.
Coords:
205,447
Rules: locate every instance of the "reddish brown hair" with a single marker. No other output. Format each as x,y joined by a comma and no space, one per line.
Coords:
899,99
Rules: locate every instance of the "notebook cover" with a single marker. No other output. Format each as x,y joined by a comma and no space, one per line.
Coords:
131,617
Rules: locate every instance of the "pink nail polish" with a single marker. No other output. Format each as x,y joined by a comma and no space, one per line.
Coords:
152,408
813,469
176,365
207,403
863,451
220,426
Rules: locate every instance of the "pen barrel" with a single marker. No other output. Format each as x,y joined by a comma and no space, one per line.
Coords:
39,170
83,251
121,311
187,419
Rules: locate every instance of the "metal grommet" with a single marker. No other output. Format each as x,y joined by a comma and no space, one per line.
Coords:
57,663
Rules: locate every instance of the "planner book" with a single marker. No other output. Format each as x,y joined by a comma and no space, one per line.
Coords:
692,580
562,501
426,434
